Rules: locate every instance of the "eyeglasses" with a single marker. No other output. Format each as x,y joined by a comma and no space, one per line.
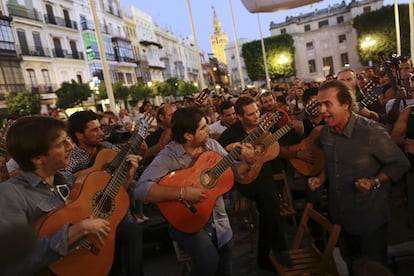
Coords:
61,190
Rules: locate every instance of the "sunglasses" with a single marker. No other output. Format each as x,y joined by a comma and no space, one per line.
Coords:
61,190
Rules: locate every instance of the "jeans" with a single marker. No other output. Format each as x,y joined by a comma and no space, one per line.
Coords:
206,258
128,249
372,246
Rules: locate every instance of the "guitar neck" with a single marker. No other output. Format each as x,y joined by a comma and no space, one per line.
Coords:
234,154
277,135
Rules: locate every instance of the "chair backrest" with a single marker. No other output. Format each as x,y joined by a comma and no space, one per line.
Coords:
4,174
285,196
303,231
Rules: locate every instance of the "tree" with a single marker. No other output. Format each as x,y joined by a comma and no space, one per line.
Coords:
23,103
121,93
186,88
274,46
71,94
383,32
140,91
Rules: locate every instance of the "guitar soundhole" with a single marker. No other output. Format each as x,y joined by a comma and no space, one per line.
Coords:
103,205
207,180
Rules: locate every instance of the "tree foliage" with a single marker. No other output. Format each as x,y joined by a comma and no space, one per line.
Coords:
379,25
274,46
71,94
23,103
186,88
140,91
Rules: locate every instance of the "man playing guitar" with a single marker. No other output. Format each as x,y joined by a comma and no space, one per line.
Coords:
85,131
41,147
264,189
209,247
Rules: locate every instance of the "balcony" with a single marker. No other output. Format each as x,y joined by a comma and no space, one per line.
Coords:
59,21
125,59
87,25
43,88
61,53
33,51
22,11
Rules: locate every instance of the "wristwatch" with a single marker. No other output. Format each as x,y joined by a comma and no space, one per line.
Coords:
377,184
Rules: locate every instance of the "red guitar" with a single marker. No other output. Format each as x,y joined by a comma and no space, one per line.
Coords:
102,195
211,172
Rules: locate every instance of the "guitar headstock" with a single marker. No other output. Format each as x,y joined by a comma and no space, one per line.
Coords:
369,98
149,117
268,119
202,96
369,86
312,108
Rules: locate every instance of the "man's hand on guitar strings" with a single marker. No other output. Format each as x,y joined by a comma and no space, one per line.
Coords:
247,153
193,194
96,226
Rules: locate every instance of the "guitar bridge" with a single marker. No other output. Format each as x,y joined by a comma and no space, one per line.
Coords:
90,246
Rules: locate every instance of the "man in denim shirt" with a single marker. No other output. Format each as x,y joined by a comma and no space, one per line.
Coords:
41,147
210,247
361,162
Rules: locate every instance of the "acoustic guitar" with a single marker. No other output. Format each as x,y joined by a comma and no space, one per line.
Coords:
212,173
101,195
309,143
266,150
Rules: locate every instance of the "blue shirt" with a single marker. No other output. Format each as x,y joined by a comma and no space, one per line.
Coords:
174,157
363,150
23,200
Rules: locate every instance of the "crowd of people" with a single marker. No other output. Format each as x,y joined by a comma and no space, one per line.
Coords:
361,125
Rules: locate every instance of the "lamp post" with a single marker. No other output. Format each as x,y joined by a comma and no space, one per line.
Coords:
367,44
283,60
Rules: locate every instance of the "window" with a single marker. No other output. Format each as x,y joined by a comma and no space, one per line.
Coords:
309,46
24,47
328,65
307,27
312,66
128,77
32,77
46,77
344,60
283,31
367,9
6,36
340,19
38,44
324,23
341,38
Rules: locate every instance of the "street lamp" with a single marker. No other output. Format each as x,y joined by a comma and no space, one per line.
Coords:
367,44
283,60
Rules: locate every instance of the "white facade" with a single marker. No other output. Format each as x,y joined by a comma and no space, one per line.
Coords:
150,46
49,43
324,40
232,64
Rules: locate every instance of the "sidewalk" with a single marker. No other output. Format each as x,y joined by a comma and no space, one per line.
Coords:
160,259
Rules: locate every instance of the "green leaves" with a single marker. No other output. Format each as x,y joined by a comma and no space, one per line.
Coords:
23,103
72,93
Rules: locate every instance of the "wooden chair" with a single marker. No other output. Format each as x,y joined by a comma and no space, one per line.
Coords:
308,260
286,206
183,259
4,174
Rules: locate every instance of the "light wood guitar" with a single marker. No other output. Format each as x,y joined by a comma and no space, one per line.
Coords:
212,173
266,150
101,195
309,143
